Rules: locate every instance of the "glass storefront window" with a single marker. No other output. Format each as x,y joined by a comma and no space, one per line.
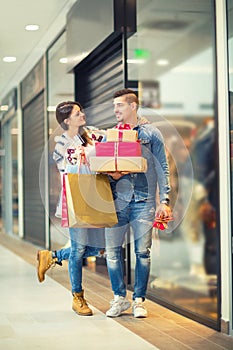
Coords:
9,203
60,88
171,56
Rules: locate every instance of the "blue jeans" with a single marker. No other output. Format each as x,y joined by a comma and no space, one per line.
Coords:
140,217
64,253
82,240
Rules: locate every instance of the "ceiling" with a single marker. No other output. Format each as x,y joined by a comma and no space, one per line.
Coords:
27,47
165,26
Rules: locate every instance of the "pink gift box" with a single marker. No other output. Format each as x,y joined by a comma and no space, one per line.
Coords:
105,149
118,149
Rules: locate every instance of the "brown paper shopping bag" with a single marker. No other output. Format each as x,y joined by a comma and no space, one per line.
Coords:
90,201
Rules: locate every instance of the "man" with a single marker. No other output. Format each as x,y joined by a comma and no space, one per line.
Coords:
134,196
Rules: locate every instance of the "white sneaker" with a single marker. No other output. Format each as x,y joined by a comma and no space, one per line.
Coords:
139,310
118,305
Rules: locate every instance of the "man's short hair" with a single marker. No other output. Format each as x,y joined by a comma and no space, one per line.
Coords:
131,95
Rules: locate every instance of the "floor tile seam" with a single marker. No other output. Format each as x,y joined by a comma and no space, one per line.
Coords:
57,280
193,333
163,335
126,328
89,272
205,338
172,322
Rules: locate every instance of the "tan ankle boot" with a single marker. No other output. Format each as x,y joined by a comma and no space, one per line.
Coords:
80,305
45,261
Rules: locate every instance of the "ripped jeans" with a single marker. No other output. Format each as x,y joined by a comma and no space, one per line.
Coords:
84,242
140,217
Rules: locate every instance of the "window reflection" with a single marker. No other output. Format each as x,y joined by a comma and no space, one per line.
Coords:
178,98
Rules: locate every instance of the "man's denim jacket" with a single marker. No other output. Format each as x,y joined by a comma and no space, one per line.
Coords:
143,186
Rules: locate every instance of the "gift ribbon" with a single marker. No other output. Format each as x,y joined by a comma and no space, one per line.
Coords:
121,127
115,153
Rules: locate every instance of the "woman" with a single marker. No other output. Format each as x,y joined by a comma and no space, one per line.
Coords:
84,241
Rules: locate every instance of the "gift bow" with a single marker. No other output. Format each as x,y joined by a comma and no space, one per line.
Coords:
122,126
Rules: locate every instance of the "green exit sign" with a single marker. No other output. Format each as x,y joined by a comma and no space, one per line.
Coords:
141,53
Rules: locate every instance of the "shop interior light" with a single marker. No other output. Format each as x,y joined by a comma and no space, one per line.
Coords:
9,59
4,108
32,27
162,62
51,108
63,60
135,61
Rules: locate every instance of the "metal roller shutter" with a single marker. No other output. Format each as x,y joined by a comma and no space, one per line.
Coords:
96,79
33,145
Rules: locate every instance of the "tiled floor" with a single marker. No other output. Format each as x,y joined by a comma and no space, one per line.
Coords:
34,316
39,316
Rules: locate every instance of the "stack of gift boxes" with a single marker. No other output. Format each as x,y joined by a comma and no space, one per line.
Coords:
121,152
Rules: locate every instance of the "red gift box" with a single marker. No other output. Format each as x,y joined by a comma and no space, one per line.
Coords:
118,149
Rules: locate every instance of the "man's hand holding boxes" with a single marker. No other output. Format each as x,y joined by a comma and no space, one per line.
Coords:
121,152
